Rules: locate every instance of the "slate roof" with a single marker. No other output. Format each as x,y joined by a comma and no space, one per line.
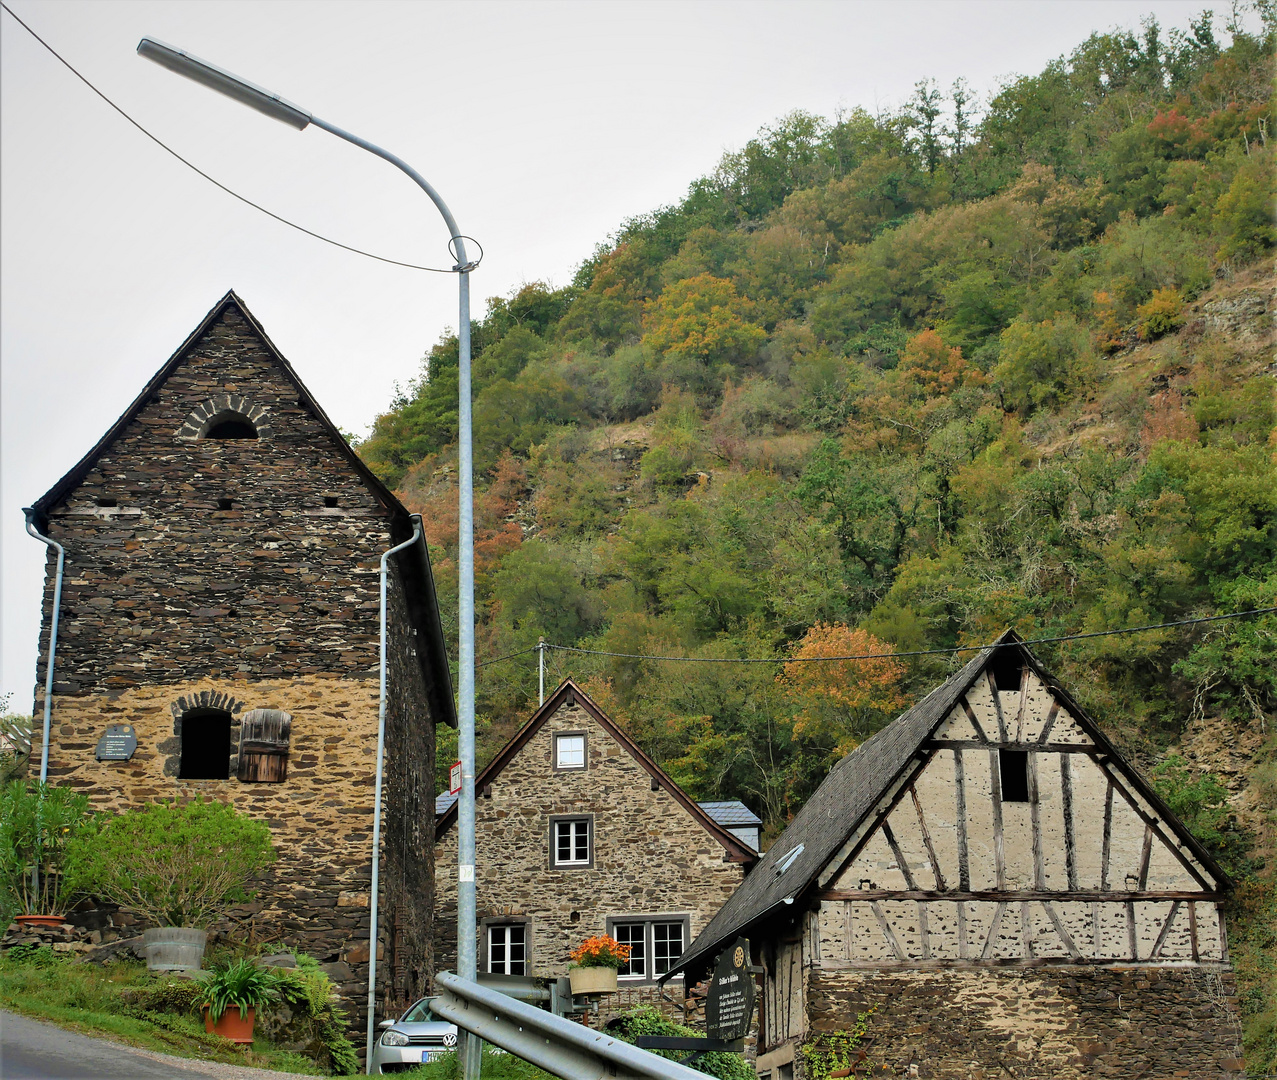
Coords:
731,813
423,607
854,787
737,849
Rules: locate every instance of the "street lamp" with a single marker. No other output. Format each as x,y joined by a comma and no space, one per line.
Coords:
274,106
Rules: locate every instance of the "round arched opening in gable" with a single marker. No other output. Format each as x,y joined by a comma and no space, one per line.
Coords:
228,425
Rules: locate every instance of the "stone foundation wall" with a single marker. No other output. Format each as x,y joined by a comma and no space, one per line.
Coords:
1040,1022
315,897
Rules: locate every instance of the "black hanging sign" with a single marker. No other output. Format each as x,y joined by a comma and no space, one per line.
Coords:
117,744
729,1005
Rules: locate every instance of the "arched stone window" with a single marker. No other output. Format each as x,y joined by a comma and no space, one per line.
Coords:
205,737
226,416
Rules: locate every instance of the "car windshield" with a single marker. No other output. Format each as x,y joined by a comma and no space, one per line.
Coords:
419,1014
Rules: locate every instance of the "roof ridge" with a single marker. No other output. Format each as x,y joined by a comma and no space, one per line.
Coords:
568,687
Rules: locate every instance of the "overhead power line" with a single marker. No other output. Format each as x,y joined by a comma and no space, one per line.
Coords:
890,655
217,183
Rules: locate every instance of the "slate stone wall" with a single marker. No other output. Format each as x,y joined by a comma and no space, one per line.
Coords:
165,585
650,856
1068,1021
243,574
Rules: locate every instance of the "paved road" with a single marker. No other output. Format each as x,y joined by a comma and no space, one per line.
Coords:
33,1050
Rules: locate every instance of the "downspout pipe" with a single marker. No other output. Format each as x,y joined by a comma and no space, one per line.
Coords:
48,675
376,812
53,639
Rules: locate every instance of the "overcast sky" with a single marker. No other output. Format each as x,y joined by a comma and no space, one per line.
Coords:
544,126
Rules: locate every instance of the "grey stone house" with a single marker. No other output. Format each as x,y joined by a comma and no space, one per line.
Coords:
1006,893
221,599
579,833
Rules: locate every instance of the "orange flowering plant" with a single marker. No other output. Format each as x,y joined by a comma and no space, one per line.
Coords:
601,951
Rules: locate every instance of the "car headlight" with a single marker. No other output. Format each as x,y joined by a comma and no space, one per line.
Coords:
394,1038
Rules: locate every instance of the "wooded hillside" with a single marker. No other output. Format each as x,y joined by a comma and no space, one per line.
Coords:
900,381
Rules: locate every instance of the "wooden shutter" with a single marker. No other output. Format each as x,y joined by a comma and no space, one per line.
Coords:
263,746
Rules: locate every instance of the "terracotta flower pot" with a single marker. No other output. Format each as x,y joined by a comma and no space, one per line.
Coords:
239,1029
42,922
592,980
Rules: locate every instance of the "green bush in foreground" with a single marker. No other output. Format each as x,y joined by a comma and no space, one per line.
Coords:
178,865
645,1020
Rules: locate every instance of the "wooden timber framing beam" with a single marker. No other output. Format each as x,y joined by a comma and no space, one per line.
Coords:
846,854
960,795
1016,895
995,785
926,839
997,704
1051,716
981,738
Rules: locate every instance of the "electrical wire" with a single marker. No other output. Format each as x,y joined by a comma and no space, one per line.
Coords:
913,652
508,656
235,194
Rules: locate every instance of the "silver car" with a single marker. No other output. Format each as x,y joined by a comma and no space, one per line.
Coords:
414,1038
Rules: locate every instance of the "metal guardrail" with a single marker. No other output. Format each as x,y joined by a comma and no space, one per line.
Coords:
558,1046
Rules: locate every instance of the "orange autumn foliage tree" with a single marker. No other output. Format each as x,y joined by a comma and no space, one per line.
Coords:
839,702
936,368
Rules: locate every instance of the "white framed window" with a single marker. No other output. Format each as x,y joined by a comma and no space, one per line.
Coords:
655,942
571,841
569,751
508,948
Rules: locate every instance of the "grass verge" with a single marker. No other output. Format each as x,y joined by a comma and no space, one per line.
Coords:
109,1001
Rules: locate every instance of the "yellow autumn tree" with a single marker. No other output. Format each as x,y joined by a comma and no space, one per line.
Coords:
839,702
702,318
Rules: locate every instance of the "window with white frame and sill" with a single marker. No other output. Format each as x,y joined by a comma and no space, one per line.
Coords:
508,948
569,751
655,942
571,842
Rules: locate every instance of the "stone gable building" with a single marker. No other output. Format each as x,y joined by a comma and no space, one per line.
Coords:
221,599
1005,892
579,833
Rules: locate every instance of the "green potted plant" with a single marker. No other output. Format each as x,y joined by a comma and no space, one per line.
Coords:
235,993
37,824
595,963
179,866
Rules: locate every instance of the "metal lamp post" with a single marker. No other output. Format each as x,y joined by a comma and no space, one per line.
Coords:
276,107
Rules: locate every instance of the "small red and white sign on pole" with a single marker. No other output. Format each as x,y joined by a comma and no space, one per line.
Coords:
454,779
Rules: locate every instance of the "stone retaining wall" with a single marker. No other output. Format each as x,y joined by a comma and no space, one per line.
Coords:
1152,1022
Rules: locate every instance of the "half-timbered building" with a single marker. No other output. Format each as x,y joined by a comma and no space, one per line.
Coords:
998,891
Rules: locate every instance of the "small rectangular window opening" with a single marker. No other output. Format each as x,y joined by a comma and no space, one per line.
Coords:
572,842
330,501
569,751
1007,667
206,745
507,949
224,504
104,501
1013,766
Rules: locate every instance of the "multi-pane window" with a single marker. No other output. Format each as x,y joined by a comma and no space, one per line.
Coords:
508,949
570,842
569,751
655,944
635,936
